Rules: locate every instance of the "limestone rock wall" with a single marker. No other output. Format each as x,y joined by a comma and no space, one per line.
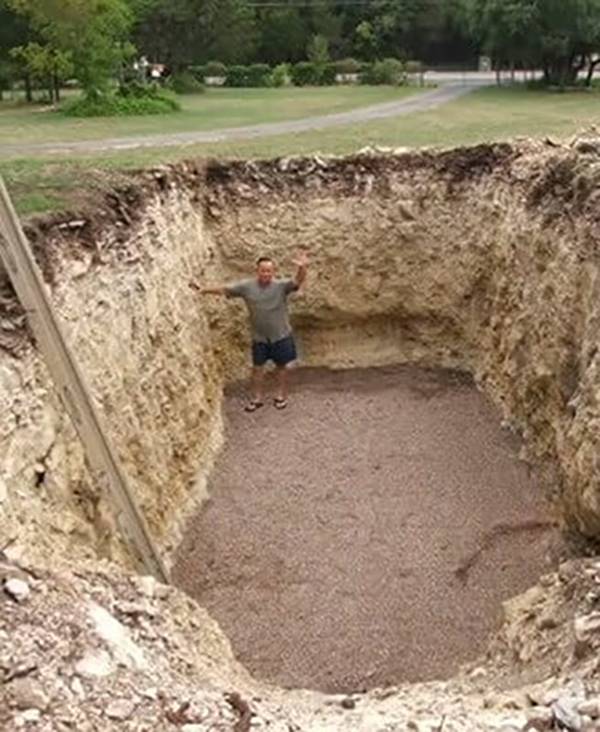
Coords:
145,349
484,259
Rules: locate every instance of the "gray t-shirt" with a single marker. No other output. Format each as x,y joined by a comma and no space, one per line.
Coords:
267,307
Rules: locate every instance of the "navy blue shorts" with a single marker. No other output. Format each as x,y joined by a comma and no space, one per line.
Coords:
280,352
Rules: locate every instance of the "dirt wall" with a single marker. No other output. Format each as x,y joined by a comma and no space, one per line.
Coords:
482,258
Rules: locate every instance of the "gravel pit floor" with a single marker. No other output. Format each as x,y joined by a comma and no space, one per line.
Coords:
367,534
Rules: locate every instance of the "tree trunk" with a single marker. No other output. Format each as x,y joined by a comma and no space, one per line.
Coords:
56,84
560,72
590,73
28,94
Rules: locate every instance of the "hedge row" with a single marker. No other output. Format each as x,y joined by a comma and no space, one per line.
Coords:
308,73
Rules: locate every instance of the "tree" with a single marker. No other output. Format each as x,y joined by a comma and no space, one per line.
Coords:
560,36
317,50
365,41
323,20
181,32
283,35
93,32
46,65
14,31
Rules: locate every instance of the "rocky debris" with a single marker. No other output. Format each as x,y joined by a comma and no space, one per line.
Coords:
77,655
554,624
29,694
96,663
567,714
539,718
587,631
17,589
120,709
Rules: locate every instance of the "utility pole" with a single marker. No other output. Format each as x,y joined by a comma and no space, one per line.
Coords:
18,260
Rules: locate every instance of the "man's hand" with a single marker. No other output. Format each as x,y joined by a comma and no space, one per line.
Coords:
301,260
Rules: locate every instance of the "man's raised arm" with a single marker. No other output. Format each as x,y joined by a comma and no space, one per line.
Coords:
212,290
301,263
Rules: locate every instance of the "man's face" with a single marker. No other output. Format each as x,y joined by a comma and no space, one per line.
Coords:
265,273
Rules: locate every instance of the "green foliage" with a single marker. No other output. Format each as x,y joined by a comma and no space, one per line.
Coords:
215,68
255,75
94,34
389,71
45,65
181,33
185,82
365,40
283,36
561,36
348,66
133,99
186,34
6,77
318,50
306,73
280,75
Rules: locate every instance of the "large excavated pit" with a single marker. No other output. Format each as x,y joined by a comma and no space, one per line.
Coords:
443,434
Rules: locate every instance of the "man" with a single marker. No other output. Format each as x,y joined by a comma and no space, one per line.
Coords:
272,337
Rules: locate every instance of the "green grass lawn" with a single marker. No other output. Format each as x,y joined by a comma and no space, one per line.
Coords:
484,115
214,109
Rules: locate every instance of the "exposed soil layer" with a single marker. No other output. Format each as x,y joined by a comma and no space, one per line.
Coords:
367,534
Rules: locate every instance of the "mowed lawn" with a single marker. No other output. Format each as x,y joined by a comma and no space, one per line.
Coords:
484,115
216,108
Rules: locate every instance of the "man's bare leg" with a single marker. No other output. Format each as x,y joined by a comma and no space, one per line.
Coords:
281,377
258,379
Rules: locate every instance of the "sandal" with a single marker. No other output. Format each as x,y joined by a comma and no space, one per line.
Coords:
280,403
253,405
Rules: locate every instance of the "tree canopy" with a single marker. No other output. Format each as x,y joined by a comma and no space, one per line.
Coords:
94,38
559,36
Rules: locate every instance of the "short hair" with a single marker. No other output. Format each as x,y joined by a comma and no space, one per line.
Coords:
260,260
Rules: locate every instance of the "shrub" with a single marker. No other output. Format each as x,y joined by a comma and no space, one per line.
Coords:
135,98
198,72
259,75
248,76
388,71
307,73
185,82
280,76
348,66
215,68
327,75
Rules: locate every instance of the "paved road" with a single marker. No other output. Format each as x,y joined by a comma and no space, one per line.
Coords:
429,100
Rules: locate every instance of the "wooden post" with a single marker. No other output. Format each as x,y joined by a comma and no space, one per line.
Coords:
27,281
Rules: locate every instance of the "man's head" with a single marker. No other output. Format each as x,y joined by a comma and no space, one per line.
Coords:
265,271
